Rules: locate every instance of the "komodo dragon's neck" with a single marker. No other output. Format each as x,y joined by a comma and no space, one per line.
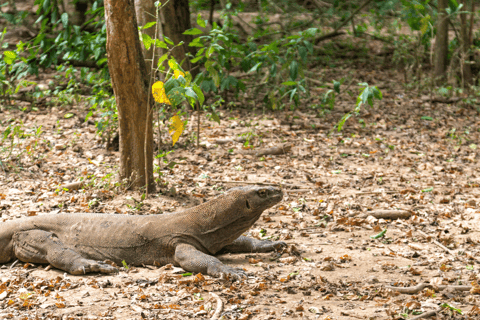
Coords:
220,221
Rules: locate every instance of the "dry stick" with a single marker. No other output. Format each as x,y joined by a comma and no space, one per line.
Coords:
427,314
73,186
219,308
437,243
389,214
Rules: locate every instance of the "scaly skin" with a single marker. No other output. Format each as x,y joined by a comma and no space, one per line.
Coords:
77,243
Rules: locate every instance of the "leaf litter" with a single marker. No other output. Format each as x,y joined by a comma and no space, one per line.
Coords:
382,220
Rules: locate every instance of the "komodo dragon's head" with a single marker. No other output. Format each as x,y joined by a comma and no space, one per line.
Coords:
234,212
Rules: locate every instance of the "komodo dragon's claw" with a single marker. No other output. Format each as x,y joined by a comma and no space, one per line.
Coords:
85,266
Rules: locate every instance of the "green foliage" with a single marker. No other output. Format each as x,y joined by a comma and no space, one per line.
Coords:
18,146
367,96
72,42
283,61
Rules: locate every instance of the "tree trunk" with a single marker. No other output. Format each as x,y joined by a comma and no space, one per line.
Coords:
175,21
130,86
441,43
146,12
465,53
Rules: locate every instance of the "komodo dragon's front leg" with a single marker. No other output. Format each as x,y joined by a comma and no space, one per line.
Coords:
40,246
191,259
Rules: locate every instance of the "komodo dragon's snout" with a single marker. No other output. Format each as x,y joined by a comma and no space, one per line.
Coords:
77,243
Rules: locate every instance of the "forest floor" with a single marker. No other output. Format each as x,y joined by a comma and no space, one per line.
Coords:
408,166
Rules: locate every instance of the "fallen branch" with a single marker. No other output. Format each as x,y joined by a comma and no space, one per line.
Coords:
421,286
219,308
259,183
388,214
277,150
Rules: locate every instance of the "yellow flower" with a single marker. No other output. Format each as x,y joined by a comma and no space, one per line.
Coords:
159,94
178,73
176,128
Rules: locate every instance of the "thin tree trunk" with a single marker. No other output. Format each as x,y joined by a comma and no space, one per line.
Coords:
465,41
175,21
130,86
441,43
146,12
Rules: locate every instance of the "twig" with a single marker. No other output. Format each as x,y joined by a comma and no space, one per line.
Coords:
219,308
427,314
14,264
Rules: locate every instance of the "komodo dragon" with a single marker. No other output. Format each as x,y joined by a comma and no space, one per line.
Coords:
78,243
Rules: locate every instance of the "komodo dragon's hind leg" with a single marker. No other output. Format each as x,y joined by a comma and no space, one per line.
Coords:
40,246
246,244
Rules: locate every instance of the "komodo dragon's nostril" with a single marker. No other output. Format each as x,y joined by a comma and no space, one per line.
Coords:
248,205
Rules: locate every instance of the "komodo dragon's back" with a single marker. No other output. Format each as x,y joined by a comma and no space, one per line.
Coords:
76,242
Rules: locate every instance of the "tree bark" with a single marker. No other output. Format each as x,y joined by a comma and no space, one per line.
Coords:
175,21
441,43
130,86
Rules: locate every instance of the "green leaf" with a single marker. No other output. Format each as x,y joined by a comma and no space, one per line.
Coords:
255,67
289,83
381,234
336,86
189,92
167,40
69,115
215,117
10,54
202,23
427,118
302,52
198,91
293,70
160,44
147,41
148,25
64,19
162,59
428,189
193,31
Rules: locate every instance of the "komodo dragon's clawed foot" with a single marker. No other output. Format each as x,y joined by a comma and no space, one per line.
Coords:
223,271
83,266
246,244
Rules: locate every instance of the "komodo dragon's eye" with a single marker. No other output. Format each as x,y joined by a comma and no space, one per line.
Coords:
262,193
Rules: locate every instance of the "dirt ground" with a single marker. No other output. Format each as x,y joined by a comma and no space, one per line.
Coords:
391,162
391,201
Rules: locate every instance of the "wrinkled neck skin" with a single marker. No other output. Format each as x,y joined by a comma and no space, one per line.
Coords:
219,222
